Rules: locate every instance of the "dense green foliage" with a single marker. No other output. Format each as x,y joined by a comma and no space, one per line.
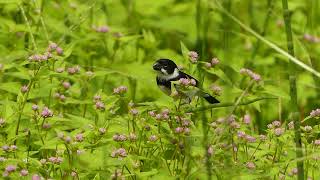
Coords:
79,100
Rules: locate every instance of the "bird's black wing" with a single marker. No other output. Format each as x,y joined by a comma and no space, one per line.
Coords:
164,85
206,96
184,75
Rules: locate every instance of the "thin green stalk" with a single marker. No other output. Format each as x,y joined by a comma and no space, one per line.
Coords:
228,104
28,26
293,90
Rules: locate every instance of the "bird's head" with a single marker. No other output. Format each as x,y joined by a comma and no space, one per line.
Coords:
165,67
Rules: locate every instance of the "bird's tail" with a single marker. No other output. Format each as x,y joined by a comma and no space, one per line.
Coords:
210,99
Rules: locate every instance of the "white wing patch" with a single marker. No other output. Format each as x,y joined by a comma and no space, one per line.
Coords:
165,76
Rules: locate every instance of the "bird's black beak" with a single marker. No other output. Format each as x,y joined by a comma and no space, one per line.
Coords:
157,67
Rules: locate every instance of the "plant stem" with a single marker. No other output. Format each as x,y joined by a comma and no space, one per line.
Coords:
293,90
228,104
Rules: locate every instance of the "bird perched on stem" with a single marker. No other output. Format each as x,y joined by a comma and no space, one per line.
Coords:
168,72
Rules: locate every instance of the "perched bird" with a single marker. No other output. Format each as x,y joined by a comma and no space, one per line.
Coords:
168,72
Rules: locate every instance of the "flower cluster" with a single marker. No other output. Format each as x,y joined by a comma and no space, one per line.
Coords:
60,96
24,89
311,39
55,160
73,70
119,137
8,148
40,57
187,82
102,29
54,47
9,169
121,152
46,112
217,90
164,115
315,113
193,56
256,77
214,62
120,90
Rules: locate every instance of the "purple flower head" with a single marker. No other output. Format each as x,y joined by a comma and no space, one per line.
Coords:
186,131
184,81
153,138
251,74
119,137
186,122
24,88
102,130
215,61
152,113
79,137
250,139
250,165
121,152
59,51
24,172
10,168
102,29
262,137
315,113
193,56
36,177
55,160
278,131
52,46
5,148
120,90
207,65
35,107
158,116
73,70
178,130
134,112
97,98
165,111
62,97
216,90
100,105
67,139
66,84
46,112
276,123
193,82
247,119
317,142
241,134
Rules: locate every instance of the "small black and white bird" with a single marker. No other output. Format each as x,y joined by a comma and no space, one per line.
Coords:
168,71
